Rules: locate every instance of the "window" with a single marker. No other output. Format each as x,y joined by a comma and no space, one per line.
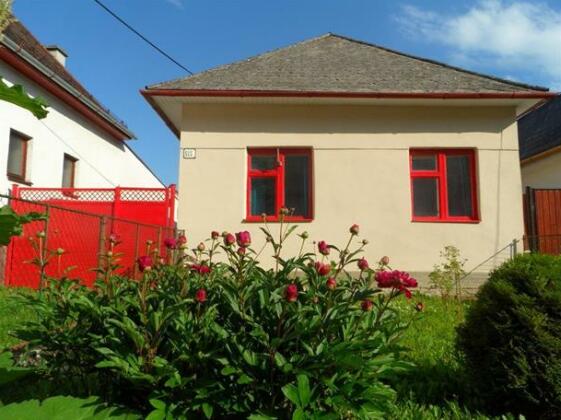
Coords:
279,178
443,185
17,156
68,171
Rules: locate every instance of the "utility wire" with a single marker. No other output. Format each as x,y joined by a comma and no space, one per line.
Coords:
169,57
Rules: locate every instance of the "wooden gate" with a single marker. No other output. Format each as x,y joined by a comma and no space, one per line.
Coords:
542,220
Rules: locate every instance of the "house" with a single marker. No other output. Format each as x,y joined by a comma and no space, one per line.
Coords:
539,134
419,153
79,143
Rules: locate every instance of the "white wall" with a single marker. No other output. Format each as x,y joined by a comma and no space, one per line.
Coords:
102,161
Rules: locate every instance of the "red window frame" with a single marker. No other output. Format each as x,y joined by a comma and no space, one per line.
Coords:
73,161
440,174
21,177
278,174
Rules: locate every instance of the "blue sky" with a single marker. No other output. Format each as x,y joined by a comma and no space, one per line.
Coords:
520,40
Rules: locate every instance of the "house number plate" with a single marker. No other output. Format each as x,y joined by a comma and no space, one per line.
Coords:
189,153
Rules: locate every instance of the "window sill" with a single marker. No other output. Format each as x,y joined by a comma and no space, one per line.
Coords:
19,180
455,221
275,220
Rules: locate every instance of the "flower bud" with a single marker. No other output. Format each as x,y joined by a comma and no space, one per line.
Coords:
40,234
201,247
291,293
214,234
385,260
304,235
59,251
109,253
241,251
354,229
419,306
149,242
200,296
331,283
365,242
229,239
366,305
362,264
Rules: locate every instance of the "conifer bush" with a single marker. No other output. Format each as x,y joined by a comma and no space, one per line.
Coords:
511,338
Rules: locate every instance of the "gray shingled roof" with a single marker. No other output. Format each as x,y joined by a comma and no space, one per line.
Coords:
540,130
333,63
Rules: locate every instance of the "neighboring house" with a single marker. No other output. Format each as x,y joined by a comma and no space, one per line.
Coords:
79,143
539,134
419,153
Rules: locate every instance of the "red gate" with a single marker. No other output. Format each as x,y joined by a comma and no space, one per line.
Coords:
80,221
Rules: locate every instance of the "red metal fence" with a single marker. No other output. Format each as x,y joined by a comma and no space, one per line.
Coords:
542,220
80,222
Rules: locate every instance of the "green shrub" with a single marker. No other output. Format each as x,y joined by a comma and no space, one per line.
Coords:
198,338
511,338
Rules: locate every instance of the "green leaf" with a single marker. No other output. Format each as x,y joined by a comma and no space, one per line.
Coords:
9,372
207,409
303,390
244,379
17,95
291,392
298,414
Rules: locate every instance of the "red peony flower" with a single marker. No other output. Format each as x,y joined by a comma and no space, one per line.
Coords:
354,229
170,243
214,234
323,248
200,296
291,293
229,239
366,305
362,264
322,269
395,279
200,268
331,283
144,263
243,238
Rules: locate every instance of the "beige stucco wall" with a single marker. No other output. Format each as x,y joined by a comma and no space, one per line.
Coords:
543,173
361,173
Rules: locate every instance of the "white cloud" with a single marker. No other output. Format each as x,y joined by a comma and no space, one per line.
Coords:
176,3
519,35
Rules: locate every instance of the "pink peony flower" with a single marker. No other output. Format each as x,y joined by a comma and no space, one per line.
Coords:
291,293
331,283
362,264
144,263
243,238
200,296
322,269
170,243
323,248
354,229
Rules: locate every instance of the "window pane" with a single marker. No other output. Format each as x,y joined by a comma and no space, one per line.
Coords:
425,196
297,185
424,163
459,186
263,163
262,196
16,155
68,173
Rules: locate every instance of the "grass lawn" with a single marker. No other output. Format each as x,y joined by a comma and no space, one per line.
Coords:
434,390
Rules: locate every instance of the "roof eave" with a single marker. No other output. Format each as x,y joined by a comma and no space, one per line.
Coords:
23,62
149,92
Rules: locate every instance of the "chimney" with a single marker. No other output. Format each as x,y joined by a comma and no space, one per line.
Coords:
58,53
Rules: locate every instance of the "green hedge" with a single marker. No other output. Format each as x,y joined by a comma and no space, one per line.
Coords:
511,338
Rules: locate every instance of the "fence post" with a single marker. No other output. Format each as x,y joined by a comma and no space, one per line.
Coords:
532,220
116,201
43,251
136,250
513,248
101,243
171,205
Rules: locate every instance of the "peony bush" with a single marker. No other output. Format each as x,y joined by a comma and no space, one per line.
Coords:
208,332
